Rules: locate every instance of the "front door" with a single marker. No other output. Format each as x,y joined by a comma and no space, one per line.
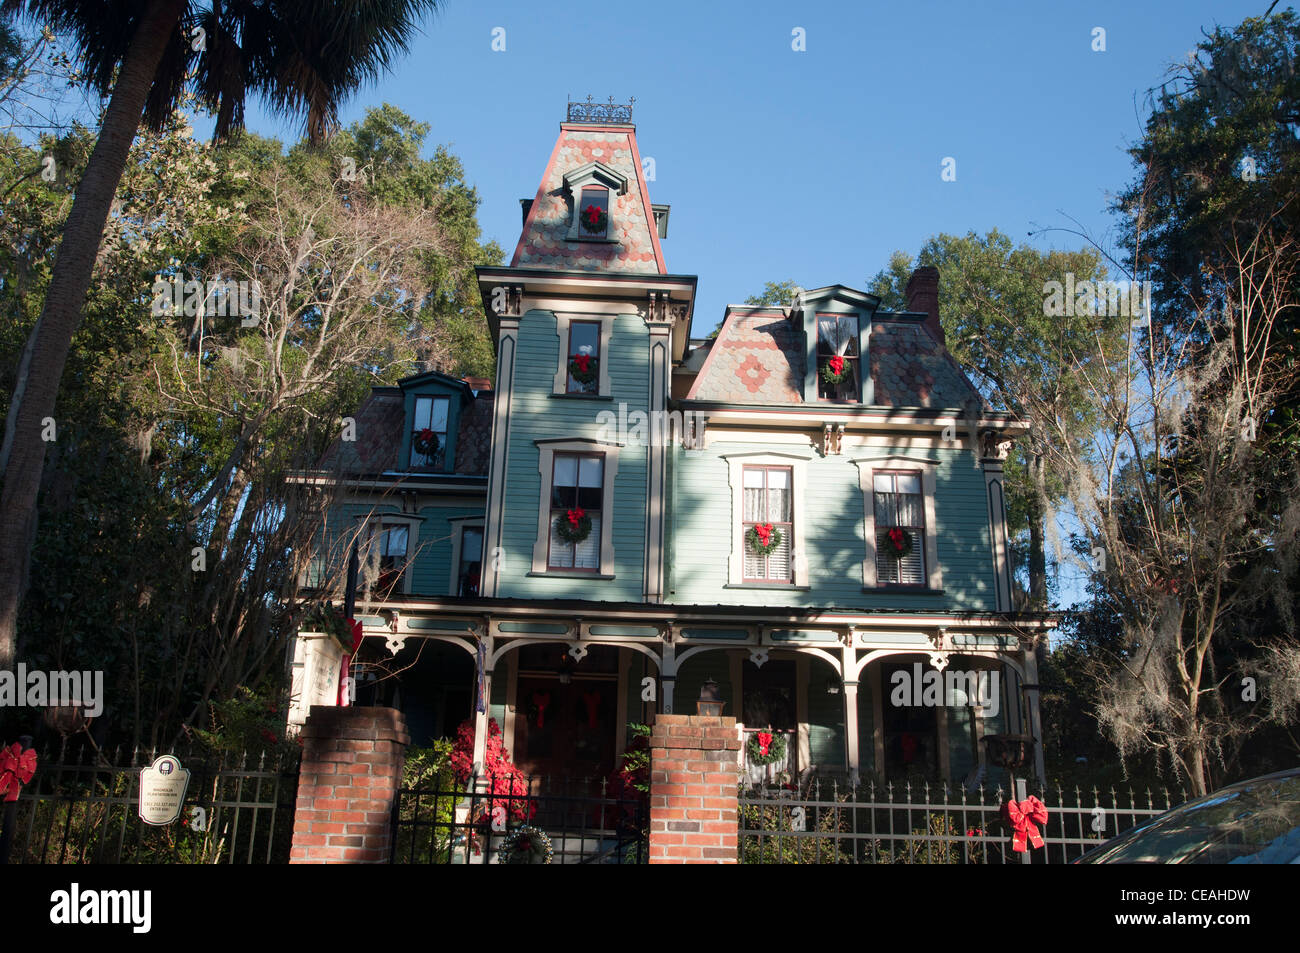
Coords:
564,730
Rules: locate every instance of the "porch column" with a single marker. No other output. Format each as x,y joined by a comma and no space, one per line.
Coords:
667,679
481,718
850,679
1034,715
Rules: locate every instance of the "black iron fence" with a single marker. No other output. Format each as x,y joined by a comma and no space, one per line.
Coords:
82,808
825,822
520,820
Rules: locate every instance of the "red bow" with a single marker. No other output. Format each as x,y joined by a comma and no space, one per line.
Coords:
541,700
764,742
896,537
1024,819
426,435
16,769
837,364
575,516
582,360
764,531
593,217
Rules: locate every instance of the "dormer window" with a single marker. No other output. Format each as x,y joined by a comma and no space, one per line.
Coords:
593,189
429,433
837,357
593,212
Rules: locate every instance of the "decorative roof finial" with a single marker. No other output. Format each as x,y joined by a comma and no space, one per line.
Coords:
593,112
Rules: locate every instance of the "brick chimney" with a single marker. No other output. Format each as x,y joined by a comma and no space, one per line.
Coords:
923,297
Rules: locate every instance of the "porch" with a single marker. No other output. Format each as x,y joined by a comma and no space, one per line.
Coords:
847,695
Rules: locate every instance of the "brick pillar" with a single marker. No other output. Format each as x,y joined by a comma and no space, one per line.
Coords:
694,772
352,760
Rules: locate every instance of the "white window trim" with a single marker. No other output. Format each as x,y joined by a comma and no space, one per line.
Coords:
546,451
866,482
379,520
459,523
562,322
798,464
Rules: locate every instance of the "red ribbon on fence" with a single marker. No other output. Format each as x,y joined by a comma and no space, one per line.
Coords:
16,768
1024,819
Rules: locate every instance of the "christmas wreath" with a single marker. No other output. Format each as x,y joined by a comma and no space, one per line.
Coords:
573,526
763,538
594,219
896,542
766,747
835,370
584,369
426,443
525,845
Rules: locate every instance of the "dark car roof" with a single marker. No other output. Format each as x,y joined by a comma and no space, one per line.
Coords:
1254,821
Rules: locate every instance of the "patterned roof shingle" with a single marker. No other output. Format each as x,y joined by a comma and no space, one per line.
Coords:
381,422
544,241
758,358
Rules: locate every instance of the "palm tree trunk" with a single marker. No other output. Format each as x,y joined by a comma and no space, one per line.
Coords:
1037,527
73,265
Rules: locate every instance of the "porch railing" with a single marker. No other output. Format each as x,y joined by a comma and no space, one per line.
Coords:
830,823
584,821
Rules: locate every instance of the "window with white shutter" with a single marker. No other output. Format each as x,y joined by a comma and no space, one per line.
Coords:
900,528
767,503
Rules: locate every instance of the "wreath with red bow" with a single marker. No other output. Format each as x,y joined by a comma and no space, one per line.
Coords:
573,526
594,219
426,443
897,542
17,767
835,370
763,538
766,747
584,369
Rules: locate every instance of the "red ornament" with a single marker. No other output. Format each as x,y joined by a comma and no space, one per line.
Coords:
837,364
16,768
764,742
1024,819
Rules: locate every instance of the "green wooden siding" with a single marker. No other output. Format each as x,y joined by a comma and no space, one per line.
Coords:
431,569
537,415
833,539
690,678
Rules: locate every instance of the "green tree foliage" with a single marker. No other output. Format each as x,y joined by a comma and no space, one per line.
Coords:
992,297
178,432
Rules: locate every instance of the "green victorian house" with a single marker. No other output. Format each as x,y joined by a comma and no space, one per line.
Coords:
807,509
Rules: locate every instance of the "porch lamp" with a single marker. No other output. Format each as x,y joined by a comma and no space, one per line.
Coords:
710,702
1012,752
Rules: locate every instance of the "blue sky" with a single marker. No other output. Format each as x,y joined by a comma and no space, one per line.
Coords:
809,165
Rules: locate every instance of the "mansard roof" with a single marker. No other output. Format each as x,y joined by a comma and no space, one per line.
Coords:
759,357
606,153
381,421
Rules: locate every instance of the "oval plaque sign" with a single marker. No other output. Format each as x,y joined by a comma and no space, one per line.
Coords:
162,791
